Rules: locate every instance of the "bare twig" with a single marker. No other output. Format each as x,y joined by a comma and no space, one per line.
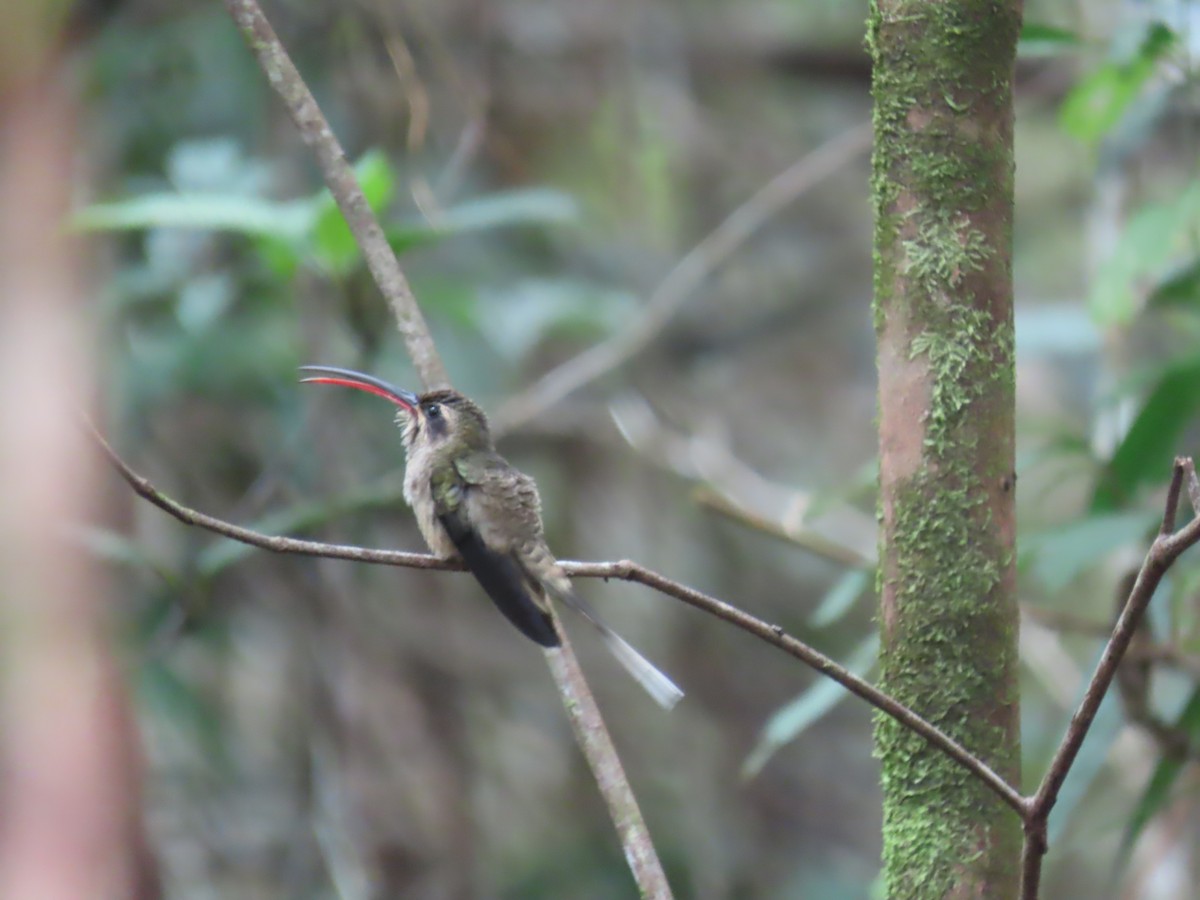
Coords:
343,185
1193,485
1171,506
590,731
623,570
688,274
1033,810
627,818
1163,552
729,486
777,637
1068,622
809,539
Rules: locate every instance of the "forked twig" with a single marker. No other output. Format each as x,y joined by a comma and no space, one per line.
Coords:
624,570
1164,550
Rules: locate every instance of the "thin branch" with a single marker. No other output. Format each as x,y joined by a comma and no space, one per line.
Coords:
1171,507
590,731
1193,484
729,486
147,491
1163,552
623,570
683,280
1067,621
622,807
343,185
777,637
809,539
1169,654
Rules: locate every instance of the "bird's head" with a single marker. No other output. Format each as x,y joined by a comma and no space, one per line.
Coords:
443,420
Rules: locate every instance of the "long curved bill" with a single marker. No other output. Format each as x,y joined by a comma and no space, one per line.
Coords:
369,383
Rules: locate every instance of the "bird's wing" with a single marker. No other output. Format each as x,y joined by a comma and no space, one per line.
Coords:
499,492
498,572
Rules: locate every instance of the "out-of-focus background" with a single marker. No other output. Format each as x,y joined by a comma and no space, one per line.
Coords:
320,729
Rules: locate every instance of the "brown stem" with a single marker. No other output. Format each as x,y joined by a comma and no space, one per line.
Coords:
343,185
610,775
623,570
585,715
1193,484
1163,552
682,281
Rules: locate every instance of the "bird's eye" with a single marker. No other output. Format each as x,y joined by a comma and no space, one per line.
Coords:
433,411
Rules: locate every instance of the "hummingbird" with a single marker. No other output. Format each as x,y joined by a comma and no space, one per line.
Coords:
472,505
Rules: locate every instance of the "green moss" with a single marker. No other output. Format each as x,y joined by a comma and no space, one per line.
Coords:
943,253
942,186
940,69
970,357
948,619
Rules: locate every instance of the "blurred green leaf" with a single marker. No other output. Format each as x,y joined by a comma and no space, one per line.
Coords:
791,721
111,546
282,257
519,317
333,244
119,549
1057,556
1045,40
1148,449
1180,288
209,212
1099,101
535,206
215,165
376,178
1054,443
450,299
239,364
203,301
1147,245
841,597
1056,329
1157,794
290,232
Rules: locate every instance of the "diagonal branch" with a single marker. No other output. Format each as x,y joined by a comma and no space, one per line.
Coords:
623,570
590,731
343,185
685,278
1165,549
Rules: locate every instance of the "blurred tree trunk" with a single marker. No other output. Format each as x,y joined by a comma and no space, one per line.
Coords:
943,195
70,769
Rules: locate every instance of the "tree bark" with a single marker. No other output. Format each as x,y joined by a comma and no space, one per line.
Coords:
943,193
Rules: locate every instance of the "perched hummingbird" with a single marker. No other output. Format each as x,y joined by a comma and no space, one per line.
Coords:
472,505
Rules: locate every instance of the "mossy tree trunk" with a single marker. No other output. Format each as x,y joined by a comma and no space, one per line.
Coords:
943,194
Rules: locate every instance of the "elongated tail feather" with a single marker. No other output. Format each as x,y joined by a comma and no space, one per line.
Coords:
664,691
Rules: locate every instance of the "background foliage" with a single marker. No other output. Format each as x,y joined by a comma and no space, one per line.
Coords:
317,727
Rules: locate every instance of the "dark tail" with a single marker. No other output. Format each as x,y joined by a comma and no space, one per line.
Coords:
504,581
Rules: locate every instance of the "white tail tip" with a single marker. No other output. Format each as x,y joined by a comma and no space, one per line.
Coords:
664,691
